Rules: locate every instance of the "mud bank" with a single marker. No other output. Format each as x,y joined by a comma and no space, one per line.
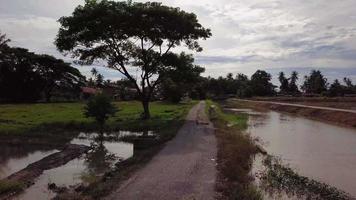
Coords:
333,117
27,175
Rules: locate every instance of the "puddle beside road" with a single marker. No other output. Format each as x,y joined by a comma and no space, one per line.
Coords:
106,151
16,157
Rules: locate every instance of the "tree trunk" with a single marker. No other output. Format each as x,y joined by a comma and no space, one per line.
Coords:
146,109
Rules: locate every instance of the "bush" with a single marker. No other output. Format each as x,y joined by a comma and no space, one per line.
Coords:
100,108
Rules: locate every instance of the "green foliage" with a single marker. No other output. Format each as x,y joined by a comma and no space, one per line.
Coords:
182,80
55,74
26,76
293,88
232,120
29,119
261,84
131,34
235,154
10,186
337,89
288,85
315,83
284,87
100,108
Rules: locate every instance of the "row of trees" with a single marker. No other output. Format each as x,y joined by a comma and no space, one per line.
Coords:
260,85
140,36
29,77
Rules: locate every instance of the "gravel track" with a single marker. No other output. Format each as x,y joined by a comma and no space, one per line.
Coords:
184,169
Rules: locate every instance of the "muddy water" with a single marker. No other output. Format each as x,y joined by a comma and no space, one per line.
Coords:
105,151
321,151
14,158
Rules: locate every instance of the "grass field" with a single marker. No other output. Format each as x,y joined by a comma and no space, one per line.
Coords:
35,118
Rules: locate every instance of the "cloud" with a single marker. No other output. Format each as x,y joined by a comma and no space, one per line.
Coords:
247,34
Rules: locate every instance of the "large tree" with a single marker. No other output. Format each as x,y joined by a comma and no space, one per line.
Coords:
284,87
261,84
315,83
26,76
130,34
180,81
293,87
19,80
56,74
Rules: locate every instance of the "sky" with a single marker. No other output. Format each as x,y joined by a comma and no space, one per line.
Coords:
272,35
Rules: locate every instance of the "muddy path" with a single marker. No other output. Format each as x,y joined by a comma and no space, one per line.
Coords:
28,175
184,169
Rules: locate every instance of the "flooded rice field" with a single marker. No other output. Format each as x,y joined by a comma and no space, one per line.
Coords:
105,151
14,158
317,150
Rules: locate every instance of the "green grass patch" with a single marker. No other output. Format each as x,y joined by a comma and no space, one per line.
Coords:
235,154
10,186
44,118
236,120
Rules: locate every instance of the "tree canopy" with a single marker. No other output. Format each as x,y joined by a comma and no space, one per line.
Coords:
315,83
27,77
182,80
129,34
261,83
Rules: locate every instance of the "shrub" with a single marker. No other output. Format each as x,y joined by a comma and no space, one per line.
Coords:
100,108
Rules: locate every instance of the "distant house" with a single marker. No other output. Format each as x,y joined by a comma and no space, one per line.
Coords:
88,92
111,90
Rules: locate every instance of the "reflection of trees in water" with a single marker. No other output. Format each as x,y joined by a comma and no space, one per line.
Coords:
278,179
99,159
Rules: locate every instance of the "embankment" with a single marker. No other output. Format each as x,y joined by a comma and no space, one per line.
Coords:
329,116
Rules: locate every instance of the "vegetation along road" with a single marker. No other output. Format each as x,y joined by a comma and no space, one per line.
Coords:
184,169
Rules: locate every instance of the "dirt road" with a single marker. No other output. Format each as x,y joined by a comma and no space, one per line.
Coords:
184,169
300,105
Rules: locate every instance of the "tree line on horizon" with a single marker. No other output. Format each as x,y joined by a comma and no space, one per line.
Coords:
259,84
29,77
123,34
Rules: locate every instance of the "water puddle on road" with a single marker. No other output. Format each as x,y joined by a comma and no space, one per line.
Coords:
105,151
320,151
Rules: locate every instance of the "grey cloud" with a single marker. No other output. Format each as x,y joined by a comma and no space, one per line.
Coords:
247,34
224,59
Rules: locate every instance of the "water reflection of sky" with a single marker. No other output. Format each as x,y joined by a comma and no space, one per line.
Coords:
318,150
106,150
16,157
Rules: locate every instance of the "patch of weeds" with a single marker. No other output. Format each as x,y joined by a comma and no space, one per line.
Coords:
235,155
10,186
278,178
89,178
